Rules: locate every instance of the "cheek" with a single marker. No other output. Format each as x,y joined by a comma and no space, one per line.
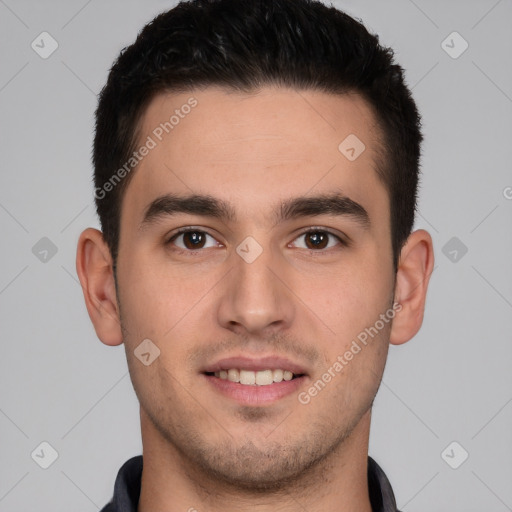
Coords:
349,299
169,306
152,300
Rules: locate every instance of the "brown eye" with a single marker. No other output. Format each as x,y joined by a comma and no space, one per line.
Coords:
316,239
192,240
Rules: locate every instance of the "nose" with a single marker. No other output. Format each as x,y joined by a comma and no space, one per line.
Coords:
256,299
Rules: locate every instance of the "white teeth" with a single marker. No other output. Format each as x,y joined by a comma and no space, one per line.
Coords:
247,377
250,378
234,375
278,375
264,378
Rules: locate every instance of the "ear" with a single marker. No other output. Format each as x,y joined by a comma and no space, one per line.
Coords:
415,266
94,269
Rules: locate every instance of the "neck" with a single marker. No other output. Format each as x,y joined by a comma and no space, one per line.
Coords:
171,483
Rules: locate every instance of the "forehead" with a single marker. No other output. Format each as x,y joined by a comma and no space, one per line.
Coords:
251,147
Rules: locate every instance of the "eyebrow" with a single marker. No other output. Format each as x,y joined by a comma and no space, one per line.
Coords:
335,204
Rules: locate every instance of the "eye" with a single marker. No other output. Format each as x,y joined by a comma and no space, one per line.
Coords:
192,239
317,239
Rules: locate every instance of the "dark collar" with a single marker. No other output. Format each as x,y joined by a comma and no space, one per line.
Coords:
127,488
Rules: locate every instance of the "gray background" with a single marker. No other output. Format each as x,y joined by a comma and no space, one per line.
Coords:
451,383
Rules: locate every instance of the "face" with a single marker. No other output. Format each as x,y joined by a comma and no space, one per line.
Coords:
277,262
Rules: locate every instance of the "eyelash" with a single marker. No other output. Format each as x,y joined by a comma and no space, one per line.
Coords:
342,242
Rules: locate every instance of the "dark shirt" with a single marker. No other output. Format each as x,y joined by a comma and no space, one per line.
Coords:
127,488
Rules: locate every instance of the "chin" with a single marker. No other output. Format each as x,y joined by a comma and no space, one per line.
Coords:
255,469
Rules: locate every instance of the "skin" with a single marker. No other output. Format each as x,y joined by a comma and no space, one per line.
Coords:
201,449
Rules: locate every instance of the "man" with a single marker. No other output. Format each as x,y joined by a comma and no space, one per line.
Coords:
256,168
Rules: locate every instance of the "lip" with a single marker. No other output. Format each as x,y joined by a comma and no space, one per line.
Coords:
255,395
255,364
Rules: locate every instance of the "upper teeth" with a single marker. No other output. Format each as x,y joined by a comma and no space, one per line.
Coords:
260,378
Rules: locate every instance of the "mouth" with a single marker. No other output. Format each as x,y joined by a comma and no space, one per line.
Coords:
255,378
255,381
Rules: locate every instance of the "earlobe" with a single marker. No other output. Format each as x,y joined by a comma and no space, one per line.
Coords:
414,269
94,269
